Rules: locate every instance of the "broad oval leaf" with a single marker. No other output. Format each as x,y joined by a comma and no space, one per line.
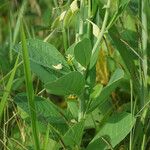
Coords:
46,111
72,83
44,54
43,73
82,52
114,131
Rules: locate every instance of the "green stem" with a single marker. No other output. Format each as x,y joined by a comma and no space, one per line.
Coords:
131,133
144,38
144,116
103,28
81,107
29,88
81,19
65,40
46,138
89,26
96,46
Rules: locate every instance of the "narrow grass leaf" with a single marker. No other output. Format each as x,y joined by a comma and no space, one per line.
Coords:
20,16
8,88
29,88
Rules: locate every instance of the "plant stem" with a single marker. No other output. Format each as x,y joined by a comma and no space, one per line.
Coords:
143,117
29,88
65,40
81,26
81,107
81,19
89,26
95,49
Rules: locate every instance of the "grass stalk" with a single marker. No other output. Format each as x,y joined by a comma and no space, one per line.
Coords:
46,138
132,112
29,88
144,67
20,16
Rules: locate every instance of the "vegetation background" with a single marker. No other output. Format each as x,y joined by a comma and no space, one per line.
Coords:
74,74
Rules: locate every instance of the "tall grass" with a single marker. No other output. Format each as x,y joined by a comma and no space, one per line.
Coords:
29,88
144,36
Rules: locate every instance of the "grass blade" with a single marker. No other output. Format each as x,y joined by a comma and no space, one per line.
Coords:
29,88
8,88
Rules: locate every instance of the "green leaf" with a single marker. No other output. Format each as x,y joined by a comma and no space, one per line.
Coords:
74,135
46,75
45,54
82,52
105,93
46,111
114,131
72,83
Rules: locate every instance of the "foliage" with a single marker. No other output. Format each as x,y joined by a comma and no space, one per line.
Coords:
77,78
